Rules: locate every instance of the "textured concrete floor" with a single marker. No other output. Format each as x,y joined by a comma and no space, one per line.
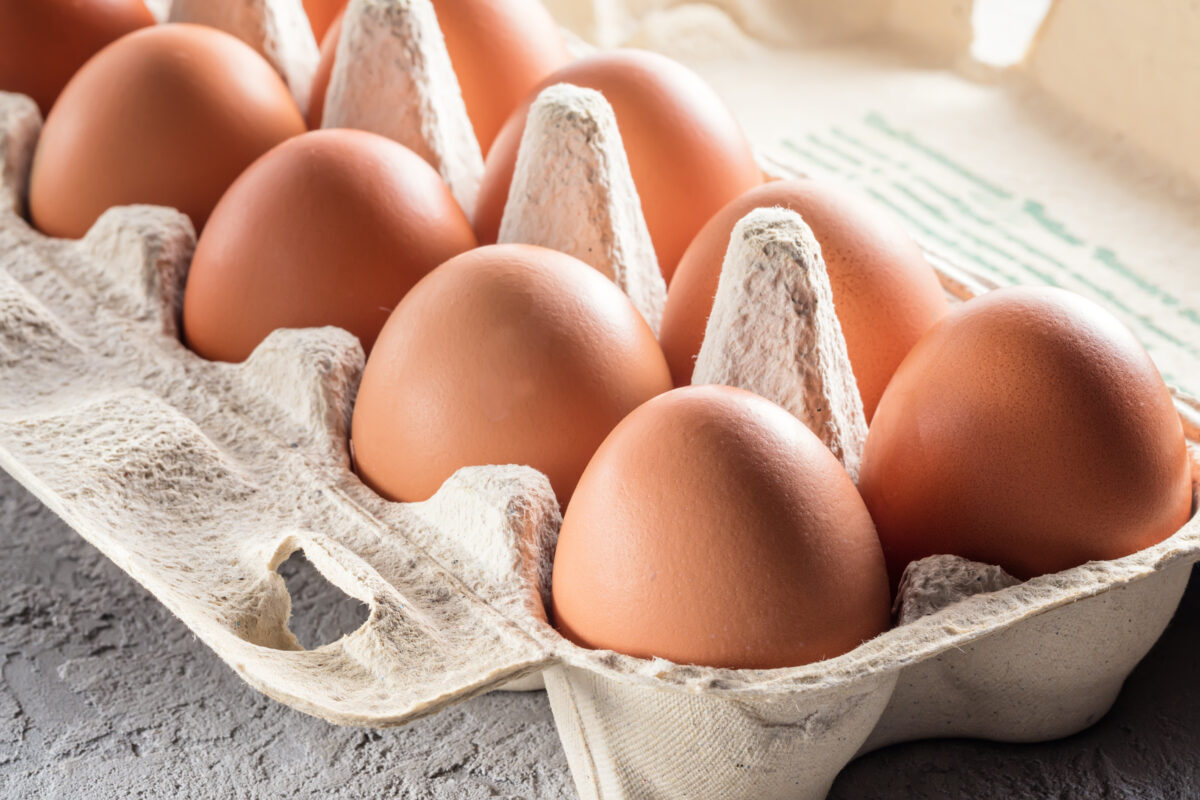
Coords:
105,694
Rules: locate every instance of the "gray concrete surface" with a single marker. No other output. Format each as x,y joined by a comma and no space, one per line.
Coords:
106,695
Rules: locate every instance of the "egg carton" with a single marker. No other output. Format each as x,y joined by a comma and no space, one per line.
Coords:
200,478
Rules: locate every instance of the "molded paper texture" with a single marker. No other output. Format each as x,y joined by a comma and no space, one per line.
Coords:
199,478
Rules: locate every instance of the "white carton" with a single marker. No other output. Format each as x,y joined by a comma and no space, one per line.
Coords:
199,479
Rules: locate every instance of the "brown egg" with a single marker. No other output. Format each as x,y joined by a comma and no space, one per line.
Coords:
885,293
329,228
321,14
500,49
1027,429
713,528
320,84
687,154
169,115
44,42
508,354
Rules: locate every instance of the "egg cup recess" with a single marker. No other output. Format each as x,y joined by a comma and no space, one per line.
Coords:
194,476
162,460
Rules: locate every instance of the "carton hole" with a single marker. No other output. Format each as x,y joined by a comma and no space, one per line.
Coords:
1004,29
321,613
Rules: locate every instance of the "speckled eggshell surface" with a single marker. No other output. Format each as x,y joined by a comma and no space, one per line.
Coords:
1030,430
508,354
329,228
169,116
885,293
44,42
687,153
713,528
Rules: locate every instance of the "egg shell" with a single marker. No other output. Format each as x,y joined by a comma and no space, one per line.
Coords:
455,608
687,153
195,106
508,354
329,228
322,13
329,46
1028,429
713,528
44,42
501,51
885,293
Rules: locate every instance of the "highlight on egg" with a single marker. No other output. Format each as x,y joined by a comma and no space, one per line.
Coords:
686,151
713,528
885,293
44,42
329,228
1028,429
507,354
169,115
500,51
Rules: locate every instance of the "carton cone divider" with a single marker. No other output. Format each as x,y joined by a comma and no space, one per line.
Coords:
572,191
773,331
393,76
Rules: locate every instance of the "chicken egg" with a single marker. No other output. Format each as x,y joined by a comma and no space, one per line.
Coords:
508,354
1028,429
885,293
320,84
44,42
168,115
329,228
687,153
322,13
713,528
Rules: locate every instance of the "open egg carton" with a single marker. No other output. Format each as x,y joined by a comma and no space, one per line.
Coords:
200,478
